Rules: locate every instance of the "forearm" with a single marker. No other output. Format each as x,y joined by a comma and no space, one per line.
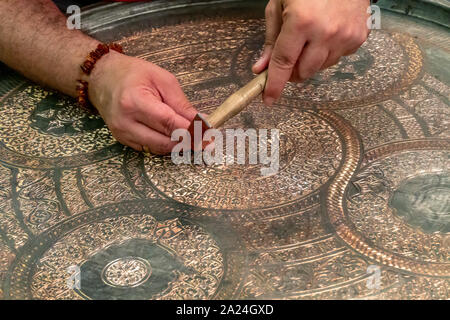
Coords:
35,40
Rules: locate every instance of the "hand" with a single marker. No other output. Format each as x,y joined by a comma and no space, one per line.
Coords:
305,36
140,102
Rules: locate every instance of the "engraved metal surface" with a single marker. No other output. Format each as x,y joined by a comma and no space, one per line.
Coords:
363,180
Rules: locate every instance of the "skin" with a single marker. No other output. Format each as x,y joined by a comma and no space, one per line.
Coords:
305,36
142,103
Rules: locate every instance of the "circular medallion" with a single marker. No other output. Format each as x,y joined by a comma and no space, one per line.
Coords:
389,210
371,75
50,130
128,251
126,272
124,276
306,140
424,202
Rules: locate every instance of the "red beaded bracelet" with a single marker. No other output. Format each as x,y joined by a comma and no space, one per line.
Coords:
87,67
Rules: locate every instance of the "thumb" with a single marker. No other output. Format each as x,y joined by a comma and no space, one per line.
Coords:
264,60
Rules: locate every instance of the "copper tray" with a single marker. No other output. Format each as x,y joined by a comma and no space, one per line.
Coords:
359,209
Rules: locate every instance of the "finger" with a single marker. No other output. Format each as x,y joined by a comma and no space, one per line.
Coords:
331,61
334,54
350,51
173,95
273,27
132,144
355,43
348,43
156,142
263,61
159,116
287,49
313,56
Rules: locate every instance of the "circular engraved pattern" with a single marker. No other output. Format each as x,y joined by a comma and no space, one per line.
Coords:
371,215
125,278
123,252
424,202
366,221
371,75
292,249
49,126
306,140
126,272
92,244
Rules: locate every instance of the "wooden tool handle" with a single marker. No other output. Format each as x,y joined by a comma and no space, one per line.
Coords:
238,101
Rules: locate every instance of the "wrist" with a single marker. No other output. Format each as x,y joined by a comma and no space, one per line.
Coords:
88,95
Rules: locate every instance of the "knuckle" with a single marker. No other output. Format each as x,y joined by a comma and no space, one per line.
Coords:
306,73
361,38
303,23
283,62
331,31
270,10
300,21
170,78
126,102
354,38
346,35
168,123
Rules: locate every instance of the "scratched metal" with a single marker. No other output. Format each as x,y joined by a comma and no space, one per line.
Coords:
363,187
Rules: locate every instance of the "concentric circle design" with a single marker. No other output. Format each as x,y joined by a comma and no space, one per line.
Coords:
360,212
424,202
131,256
371,75
107,235
75,203
49,125
50,129
126,272
310,155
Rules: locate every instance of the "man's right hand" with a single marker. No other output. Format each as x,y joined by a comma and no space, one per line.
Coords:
140,102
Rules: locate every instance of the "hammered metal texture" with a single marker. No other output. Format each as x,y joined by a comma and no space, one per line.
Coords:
364,178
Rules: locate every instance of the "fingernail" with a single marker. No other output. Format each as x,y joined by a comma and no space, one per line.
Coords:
257,63
261,58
